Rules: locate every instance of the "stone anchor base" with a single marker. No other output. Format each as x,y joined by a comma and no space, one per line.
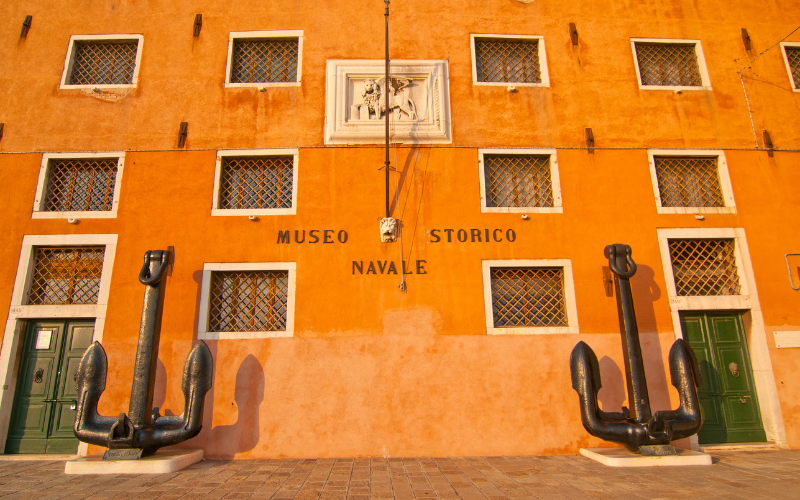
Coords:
620,457
162,462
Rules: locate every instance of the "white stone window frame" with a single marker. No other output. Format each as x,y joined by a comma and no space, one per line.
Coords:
205,299
722,174
747,301
70,59
234,35
41,187
19,312
701,64
786,62
542,61
569,297
554,180
216,211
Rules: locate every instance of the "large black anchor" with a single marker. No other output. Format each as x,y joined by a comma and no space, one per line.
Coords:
143,428
637,428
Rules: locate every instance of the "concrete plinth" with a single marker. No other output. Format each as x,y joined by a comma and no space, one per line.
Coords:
620,457
162,462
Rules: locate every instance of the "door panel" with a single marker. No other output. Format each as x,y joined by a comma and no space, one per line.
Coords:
79,337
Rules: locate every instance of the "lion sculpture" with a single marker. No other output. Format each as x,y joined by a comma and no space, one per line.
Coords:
375,103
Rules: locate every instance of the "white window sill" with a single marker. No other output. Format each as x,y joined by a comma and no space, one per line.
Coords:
522,210
696,210
260,85
511,84
98,86
220,212
674,88
243,335
99,214
534,330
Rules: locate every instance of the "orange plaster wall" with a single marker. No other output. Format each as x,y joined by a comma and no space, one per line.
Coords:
373,371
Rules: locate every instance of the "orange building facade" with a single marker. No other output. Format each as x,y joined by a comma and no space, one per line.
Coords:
360,365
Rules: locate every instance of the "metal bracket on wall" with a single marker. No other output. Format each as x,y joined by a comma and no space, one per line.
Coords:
789,271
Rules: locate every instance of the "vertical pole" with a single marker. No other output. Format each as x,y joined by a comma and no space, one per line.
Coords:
385,89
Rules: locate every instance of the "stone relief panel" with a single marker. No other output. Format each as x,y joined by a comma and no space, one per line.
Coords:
419,102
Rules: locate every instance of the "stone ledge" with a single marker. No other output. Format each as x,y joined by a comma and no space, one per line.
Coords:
162,462
739,447
620,457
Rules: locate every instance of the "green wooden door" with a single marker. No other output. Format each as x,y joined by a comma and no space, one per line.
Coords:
44,402
727,393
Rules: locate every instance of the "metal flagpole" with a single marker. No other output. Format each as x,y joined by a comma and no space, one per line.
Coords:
385,89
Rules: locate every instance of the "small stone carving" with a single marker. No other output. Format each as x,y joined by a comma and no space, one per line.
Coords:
388,230
373,101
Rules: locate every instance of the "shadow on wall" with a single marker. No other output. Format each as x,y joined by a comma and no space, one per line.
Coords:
225,441
613,394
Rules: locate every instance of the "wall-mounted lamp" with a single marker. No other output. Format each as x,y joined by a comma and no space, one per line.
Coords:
590,140
26,25
746,39
573,33
198,23
183,132
1,131
768,144
608,281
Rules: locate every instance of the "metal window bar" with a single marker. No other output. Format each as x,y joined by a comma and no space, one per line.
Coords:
507,60
793,55
66,275
518,181
668,64
265,60
688,182
104,62
256,182
252,301
528,297
704,267
80,185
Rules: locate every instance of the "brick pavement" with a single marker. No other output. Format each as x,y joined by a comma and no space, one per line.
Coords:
734,475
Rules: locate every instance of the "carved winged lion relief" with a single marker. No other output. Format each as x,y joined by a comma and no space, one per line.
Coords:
373,101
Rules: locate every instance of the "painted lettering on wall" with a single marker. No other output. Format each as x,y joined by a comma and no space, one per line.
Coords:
388,267
313,236
471,235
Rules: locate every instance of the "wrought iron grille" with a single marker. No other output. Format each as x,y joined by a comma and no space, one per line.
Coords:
668,64
793,54
688,182
704,267
528,297
80,185
518,181
507,60
252,301
66,275
103,63
256,182
265,60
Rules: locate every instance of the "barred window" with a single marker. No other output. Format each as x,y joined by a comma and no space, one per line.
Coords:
248,182
80,185
688,181
704,267
66,275
793,58
103,62
525,297
513,60
248,301
668,64
264,60
518,180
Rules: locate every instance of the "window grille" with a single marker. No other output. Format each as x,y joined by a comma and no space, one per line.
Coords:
704,267
793,55
688,182
528,297
66,275
103,63
668,64
265,60
518,181
252,301
80,185
256,182
507,60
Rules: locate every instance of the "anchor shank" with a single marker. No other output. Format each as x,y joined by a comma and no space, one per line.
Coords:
141,404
